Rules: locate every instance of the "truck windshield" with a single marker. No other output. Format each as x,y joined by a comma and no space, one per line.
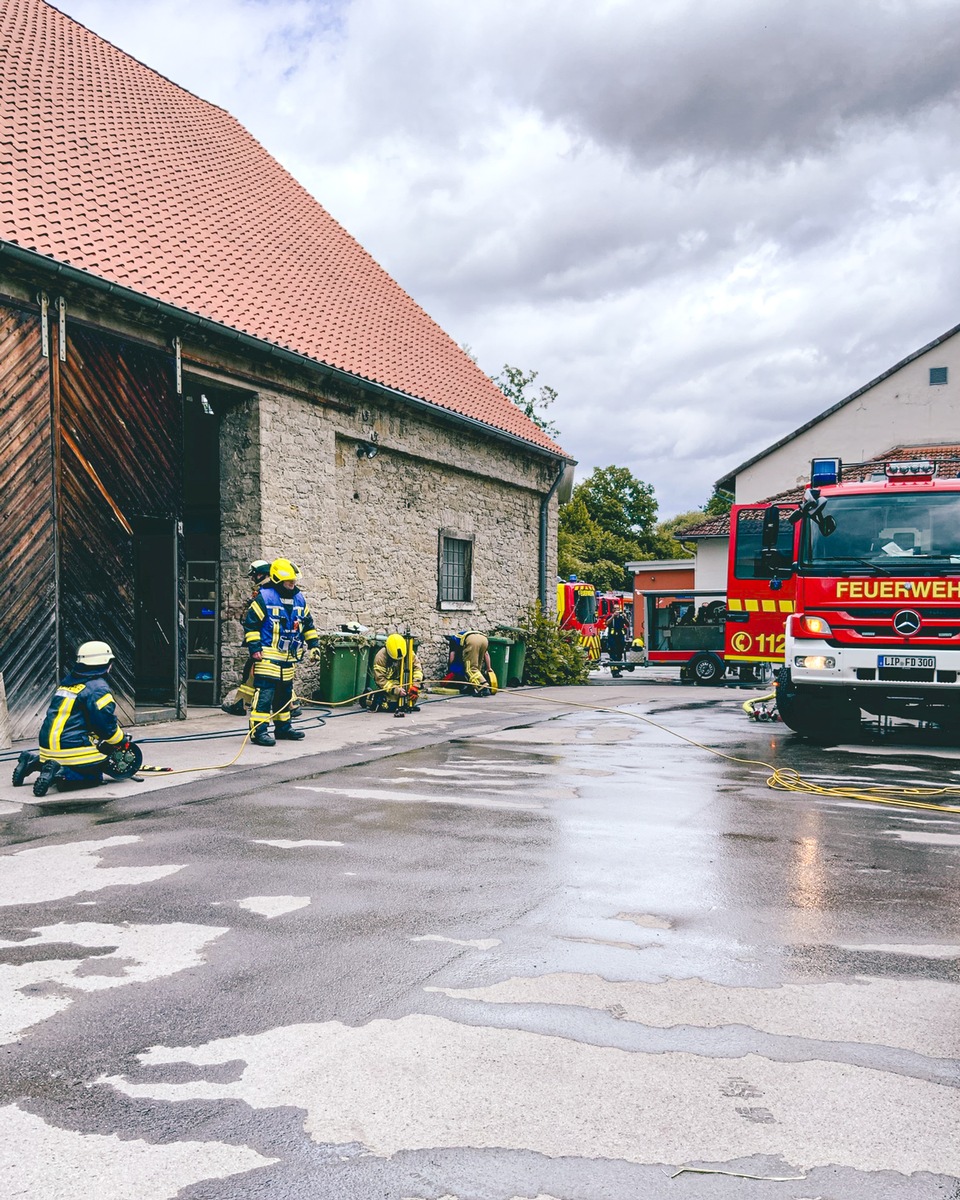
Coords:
586,608
891,534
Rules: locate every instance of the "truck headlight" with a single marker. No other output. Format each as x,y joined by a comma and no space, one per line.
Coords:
814,662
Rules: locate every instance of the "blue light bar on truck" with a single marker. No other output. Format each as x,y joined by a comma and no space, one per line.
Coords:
824,471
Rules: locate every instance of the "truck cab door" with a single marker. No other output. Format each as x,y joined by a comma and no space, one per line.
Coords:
757,604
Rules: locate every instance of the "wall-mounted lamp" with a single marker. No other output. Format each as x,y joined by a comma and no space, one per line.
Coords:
206,406
367,450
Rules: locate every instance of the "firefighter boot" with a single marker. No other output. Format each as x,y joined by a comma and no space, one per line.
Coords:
236,709
284,732
261,735
27,763
48,775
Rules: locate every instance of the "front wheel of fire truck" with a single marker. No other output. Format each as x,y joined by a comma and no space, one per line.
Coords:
813,713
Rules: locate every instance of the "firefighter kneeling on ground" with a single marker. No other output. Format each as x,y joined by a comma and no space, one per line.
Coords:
469,659
396,676
80,722
277,625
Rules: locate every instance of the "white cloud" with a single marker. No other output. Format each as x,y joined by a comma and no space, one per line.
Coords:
702,226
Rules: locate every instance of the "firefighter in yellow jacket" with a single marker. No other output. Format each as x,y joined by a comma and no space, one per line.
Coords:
277,625
396,676
469,648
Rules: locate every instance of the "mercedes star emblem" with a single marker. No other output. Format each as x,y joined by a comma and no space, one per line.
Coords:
906,623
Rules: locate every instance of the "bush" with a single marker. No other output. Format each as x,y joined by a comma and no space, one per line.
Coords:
554,656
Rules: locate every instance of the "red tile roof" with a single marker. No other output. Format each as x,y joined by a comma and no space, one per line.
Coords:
947,458
111,168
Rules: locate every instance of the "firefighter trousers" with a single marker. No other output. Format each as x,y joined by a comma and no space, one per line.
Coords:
273,694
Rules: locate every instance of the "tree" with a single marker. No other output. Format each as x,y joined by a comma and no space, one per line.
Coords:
610,520
620,503
718,504
513,382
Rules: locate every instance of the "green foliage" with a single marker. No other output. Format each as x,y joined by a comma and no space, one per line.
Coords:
554,655
620,503
718,504
609,520
513,382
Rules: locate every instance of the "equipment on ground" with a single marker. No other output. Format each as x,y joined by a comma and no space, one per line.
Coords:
122,761
855,596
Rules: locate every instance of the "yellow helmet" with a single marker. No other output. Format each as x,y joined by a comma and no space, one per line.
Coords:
396,646
282,571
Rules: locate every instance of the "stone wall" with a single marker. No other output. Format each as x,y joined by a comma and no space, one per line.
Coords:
365,530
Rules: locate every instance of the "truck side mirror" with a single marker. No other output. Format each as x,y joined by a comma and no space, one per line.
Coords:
771,528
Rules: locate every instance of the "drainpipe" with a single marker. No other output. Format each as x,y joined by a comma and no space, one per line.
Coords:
544,509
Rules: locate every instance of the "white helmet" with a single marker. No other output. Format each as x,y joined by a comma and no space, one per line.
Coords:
94,654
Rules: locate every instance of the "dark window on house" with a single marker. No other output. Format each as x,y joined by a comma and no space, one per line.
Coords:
938,375
456,569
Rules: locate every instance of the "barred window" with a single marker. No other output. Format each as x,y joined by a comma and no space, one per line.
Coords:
456,569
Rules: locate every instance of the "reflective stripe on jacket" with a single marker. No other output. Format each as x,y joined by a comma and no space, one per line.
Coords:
81,711
387,671
278,625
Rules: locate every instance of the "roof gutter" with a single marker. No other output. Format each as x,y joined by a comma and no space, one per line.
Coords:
50,266
544,529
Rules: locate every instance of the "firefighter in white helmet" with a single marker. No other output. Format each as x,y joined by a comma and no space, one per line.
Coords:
80,724
395,676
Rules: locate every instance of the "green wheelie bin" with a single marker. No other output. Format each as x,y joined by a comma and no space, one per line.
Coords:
516,662
499,650
339,670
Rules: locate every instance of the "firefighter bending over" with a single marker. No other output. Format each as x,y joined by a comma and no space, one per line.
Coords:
277,624
395,677
80,721
469,647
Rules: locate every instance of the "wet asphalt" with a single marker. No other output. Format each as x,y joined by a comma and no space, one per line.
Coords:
566,957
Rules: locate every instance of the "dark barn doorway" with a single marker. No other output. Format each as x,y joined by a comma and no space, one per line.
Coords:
155,660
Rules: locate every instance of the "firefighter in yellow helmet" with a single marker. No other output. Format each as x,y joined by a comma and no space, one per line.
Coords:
277,625
395,679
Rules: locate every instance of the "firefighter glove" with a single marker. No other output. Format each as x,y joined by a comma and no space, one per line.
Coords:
315,653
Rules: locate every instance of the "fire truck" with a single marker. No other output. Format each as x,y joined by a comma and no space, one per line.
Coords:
854,590
577,609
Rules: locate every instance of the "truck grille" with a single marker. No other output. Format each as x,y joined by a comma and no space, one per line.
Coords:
896,675
854,625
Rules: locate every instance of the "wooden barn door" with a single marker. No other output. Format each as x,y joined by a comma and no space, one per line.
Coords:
28,609
121,440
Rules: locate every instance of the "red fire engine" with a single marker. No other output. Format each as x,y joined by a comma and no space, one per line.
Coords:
577,609
855,591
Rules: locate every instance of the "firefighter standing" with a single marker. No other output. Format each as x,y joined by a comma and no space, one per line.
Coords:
470,647
259,573
81,718
398,676
617,642
277,625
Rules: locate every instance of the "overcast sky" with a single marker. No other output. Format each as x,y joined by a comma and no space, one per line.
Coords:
702,223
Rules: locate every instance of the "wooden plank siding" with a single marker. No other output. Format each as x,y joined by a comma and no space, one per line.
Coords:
28,611
121,458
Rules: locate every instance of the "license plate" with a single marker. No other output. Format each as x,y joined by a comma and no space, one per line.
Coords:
907,662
